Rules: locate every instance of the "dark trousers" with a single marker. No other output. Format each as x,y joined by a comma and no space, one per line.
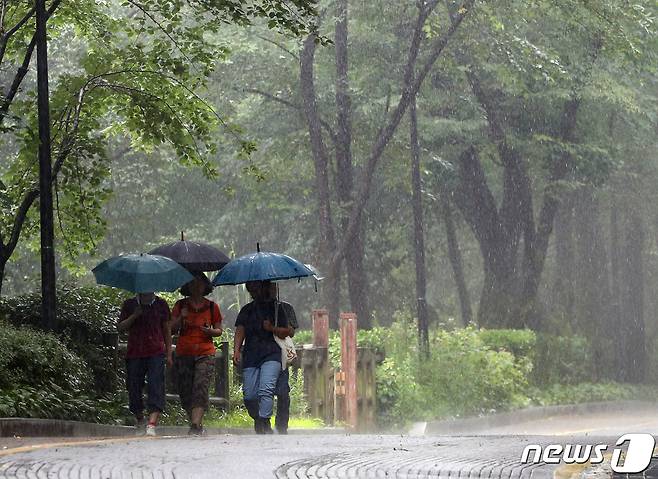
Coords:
152,371
282,393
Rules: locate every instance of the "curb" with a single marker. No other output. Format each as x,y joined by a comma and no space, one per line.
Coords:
24,427
475,424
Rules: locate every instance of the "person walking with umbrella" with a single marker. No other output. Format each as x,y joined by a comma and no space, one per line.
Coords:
282,390
199,320
257,324
146,319
260,358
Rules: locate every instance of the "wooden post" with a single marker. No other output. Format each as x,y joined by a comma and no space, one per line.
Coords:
221,372
320,328
348,364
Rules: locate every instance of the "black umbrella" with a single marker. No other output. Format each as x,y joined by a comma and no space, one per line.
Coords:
192,255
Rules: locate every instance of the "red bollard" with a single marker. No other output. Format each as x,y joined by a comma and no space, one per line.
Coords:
320,328
348,365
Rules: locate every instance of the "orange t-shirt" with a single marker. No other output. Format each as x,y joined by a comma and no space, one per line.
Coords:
192,341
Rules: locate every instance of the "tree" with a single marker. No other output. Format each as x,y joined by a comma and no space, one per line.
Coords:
140,71
514,235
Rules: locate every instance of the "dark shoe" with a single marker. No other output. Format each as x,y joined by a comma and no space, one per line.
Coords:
282,430
196,430
267,428
258,426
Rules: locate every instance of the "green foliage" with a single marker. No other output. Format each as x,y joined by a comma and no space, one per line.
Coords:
591,392
35,358
86,315
520,342
136,73
41,378
562,359
463,376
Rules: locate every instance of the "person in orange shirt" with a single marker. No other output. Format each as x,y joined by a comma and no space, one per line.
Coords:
198,321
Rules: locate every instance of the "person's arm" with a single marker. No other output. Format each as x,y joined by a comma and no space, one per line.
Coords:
128,322
285,322
238,339
216,329
177,316
292,319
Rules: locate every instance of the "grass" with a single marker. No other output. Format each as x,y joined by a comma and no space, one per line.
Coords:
238,418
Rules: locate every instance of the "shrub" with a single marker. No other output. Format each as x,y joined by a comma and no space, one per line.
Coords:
40,377
590,392
35,358
462,376
520,342
85,316
562,359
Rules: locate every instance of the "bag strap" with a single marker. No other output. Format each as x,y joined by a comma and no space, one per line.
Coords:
276,313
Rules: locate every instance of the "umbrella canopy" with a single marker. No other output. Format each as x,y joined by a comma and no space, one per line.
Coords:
193,256
261,266
142,273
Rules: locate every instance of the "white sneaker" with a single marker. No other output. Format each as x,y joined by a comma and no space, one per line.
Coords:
150,430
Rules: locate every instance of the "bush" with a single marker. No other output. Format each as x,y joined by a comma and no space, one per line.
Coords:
35,358
463,375
589,392
520,342
562,359
41,378
85,315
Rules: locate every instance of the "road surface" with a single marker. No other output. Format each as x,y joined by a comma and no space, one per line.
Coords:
492,453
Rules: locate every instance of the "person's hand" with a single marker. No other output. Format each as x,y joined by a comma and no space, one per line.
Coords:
170,359
208,330
268,326
184,312
282,333
236,358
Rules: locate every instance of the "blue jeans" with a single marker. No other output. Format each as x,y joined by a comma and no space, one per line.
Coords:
258,385
151,369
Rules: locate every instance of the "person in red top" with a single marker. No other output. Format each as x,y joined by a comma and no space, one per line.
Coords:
199,320
146,318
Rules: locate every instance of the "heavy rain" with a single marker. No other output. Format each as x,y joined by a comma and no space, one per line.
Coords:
417,237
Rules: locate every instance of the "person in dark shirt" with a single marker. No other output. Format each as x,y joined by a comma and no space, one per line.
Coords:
260,356
146,318
282,390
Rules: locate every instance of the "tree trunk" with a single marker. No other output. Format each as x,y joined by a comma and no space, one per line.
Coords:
357,280
615,261
419,236
48,293
454,254
633,331
3,264
563,285
593,287
327,244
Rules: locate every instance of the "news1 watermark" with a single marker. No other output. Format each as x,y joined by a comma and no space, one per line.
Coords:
635,459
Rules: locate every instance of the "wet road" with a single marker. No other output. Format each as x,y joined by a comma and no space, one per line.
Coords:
491,453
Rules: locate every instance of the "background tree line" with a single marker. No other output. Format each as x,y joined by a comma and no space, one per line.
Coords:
473,162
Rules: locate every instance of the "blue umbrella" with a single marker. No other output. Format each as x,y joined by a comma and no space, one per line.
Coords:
142,273
261,266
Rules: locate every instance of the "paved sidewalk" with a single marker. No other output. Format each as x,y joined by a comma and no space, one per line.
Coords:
284,457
